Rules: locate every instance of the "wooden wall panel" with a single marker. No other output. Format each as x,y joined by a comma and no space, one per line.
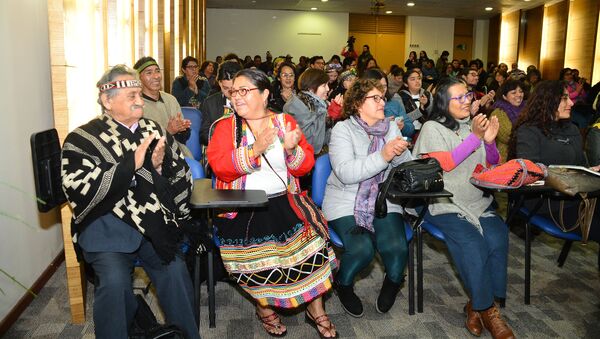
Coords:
509,37
554,39
494,40
75,282
581,33
530,37
384,35
463,39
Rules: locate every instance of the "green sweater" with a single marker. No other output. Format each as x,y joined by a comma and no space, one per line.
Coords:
504,132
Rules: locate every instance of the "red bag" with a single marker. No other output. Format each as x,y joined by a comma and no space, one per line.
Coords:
512,174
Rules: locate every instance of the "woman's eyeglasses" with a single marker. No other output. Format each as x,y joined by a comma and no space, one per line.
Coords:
376,98
242,91
287,75
467,97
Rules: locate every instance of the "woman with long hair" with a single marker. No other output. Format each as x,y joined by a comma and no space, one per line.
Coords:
267,250
283,87
544,133
475,235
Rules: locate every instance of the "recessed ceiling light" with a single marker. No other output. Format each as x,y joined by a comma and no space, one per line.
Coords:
313,8
410,4
328,0
388,12
527,0
488,9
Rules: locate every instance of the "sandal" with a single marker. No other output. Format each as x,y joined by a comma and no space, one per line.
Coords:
317,323
271,323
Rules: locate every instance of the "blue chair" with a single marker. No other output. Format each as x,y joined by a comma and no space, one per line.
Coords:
193,143
196,168
319,182
549,227
320,174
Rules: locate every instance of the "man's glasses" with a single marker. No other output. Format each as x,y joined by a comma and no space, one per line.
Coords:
242,91
376,98
287,75
192,66
467,97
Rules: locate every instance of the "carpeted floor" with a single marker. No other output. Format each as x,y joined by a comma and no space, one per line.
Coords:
565,302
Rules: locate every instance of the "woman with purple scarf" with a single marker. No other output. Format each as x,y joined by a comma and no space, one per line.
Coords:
507,109
363,148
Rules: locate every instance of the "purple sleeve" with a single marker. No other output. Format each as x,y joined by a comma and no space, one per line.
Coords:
468,146
492,156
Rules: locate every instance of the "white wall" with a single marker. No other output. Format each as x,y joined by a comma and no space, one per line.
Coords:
252,32
25,94
433,35
481,32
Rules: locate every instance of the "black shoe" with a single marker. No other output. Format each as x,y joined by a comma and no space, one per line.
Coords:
350,301
387,295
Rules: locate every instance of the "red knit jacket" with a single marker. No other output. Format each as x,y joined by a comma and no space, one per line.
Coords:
232,164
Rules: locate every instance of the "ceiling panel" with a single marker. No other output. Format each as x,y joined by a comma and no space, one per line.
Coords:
438,8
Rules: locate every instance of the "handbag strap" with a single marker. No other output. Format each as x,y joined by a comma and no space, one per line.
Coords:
586,209
267,161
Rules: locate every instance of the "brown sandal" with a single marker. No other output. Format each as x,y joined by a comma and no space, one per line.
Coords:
271,322
318,323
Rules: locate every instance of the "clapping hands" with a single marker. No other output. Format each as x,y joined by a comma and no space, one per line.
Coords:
178,124
484,128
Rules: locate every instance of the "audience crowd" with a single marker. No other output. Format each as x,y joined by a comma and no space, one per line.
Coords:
265,121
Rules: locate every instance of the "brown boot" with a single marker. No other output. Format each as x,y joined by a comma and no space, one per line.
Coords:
493,322
473,322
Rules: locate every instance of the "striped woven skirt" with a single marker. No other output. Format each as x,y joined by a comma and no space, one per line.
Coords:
266,253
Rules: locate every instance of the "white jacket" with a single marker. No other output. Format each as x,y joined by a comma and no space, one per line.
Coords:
351,164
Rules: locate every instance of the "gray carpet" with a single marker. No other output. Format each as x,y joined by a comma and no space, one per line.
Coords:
565,302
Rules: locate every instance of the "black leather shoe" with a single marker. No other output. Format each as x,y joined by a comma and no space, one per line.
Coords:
387,295
350,301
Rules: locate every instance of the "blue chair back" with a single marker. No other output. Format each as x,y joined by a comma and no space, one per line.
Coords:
319,181
319,178
197,169
193,143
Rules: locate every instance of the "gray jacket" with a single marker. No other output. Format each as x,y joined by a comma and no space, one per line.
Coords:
351,164
312,123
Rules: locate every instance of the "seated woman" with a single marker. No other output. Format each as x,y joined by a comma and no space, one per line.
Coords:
283,87
507,109
362,150
192,87
266,250
412,61
309,107
416,100
476,237
393,105
544,133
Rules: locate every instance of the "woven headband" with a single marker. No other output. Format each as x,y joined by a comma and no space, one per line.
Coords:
146,65
119,84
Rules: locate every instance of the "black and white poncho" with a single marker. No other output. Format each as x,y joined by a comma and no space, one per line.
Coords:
99,176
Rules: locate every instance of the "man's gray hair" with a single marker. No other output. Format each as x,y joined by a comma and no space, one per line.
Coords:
109,76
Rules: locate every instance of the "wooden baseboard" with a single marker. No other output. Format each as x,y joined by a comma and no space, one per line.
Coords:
27,298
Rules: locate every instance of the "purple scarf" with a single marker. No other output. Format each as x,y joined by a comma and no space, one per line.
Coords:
364,204
511,111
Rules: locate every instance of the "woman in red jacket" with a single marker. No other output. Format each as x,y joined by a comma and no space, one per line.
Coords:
266,250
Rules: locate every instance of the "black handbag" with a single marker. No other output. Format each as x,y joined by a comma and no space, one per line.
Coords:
415,176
